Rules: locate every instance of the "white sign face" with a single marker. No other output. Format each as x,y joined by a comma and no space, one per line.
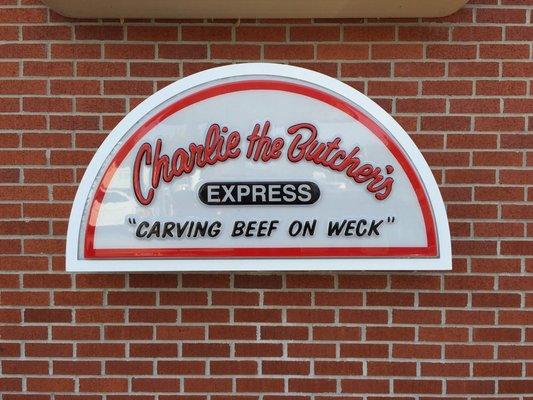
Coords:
258,167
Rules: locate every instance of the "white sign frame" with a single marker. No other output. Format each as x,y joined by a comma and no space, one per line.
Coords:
442,262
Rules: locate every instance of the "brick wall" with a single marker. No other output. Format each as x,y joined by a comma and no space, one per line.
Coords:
461,86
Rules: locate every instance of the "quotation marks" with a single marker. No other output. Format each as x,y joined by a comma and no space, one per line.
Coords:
390,220
132,221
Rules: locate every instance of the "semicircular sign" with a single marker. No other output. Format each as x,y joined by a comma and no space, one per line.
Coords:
258,167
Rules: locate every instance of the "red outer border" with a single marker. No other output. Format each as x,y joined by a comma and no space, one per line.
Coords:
268,252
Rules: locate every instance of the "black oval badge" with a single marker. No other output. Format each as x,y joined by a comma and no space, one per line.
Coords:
259,193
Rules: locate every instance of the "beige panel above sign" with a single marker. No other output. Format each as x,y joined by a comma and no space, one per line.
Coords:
254,8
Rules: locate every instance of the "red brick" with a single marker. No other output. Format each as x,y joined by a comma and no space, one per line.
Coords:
423,33
419,69
257,315
150,350
312,385
368,33
362,281
464,386
104,385
48,68
204,315
287,298
231,367
232,332
338,299
400,334
96,68
9,32
448,87
519,212
498,369
260,33
469,282
26,298
503,51
235,298
492,265
416,351
311,350
208,385
342,52
76,367
100,105
403,88
389,299
477,33
100,315
335,333
514,177
37,315
180,367
350,368
131,298
420,105
451,51
365,386
416,316
466,317
46,32
499,124
156,384
99,32
290,367
23,50
385,368
182,297
48,350
89,281
496,334
357,70
146,69
203,33
234,52
285,332
50,384
292,51
128,51
131,332
396,51
472,211
316,316
503,88
519,33
517,386
24,367
426,386
128,87
152,33
205,280
73,87
326,33
517,69
205,350
498,229
74,52
500,15
473,69
258,281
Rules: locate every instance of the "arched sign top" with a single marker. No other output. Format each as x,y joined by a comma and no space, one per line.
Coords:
258,167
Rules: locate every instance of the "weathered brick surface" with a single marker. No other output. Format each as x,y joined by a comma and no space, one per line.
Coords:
462,86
